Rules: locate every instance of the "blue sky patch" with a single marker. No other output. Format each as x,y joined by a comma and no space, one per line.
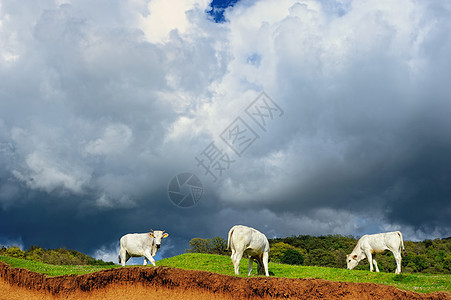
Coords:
218,8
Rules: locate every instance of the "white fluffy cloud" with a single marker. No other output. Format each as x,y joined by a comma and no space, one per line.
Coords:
164,17
46,176
115,139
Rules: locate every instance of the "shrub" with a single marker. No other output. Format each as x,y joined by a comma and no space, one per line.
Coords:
216,245
292,257
15,251
278,250
320,257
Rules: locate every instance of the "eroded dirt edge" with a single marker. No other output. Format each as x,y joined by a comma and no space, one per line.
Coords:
179,279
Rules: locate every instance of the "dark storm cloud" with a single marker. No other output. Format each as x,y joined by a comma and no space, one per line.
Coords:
99,111
366,130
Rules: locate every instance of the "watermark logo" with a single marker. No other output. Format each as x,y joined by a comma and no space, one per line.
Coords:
185,189
239,136
214,161
263,110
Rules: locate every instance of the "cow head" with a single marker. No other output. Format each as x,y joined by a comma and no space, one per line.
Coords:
352,260
157,236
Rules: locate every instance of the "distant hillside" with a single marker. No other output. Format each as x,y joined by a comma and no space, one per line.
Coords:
58,256
428,256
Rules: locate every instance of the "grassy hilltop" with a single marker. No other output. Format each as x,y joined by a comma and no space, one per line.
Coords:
428,256
426,268
424,283
221,264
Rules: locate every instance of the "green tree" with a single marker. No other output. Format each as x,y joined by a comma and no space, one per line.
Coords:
15,251
198,245
292,257
62,256
428,256
320,257
216,245
447,263
35,253
278,250
219,246
340,258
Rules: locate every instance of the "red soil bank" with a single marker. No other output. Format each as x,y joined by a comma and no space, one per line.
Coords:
171,283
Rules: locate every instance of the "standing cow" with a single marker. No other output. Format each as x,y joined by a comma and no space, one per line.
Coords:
248,241
141,244
377,243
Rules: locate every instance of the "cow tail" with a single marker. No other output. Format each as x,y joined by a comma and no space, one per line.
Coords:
402,243
229,238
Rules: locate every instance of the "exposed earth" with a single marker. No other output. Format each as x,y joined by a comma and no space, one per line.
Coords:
171,283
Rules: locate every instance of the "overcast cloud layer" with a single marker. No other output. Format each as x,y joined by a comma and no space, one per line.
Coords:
102,103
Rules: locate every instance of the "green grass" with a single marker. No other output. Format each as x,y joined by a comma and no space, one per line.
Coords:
424,283
52,270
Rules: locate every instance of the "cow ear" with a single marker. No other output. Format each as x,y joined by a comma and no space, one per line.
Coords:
355,256
165,235
151,234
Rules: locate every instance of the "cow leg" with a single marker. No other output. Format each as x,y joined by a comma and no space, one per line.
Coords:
370,259
232,257
398,258
145,261
152,261
265,262
149,257
251,265
236,262
260,264
260,268
123,256
375,264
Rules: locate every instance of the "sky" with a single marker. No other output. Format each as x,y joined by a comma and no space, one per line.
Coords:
292,117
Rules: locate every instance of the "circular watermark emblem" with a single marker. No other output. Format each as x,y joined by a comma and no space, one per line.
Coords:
185,190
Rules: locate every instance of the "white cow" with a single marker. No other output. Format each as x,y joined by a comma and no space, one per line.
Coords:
377,243
141,244
250,242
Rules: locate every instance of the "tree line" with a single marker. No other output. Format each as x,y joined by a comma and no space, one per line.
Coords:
58,256
428,256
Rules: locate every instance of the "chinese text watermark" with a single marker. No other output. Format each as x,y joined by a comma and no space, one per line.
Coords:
239,136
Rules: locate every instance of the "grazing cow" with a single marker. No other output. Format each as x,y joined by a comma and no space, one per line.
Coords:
141,244
250,242
377,243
